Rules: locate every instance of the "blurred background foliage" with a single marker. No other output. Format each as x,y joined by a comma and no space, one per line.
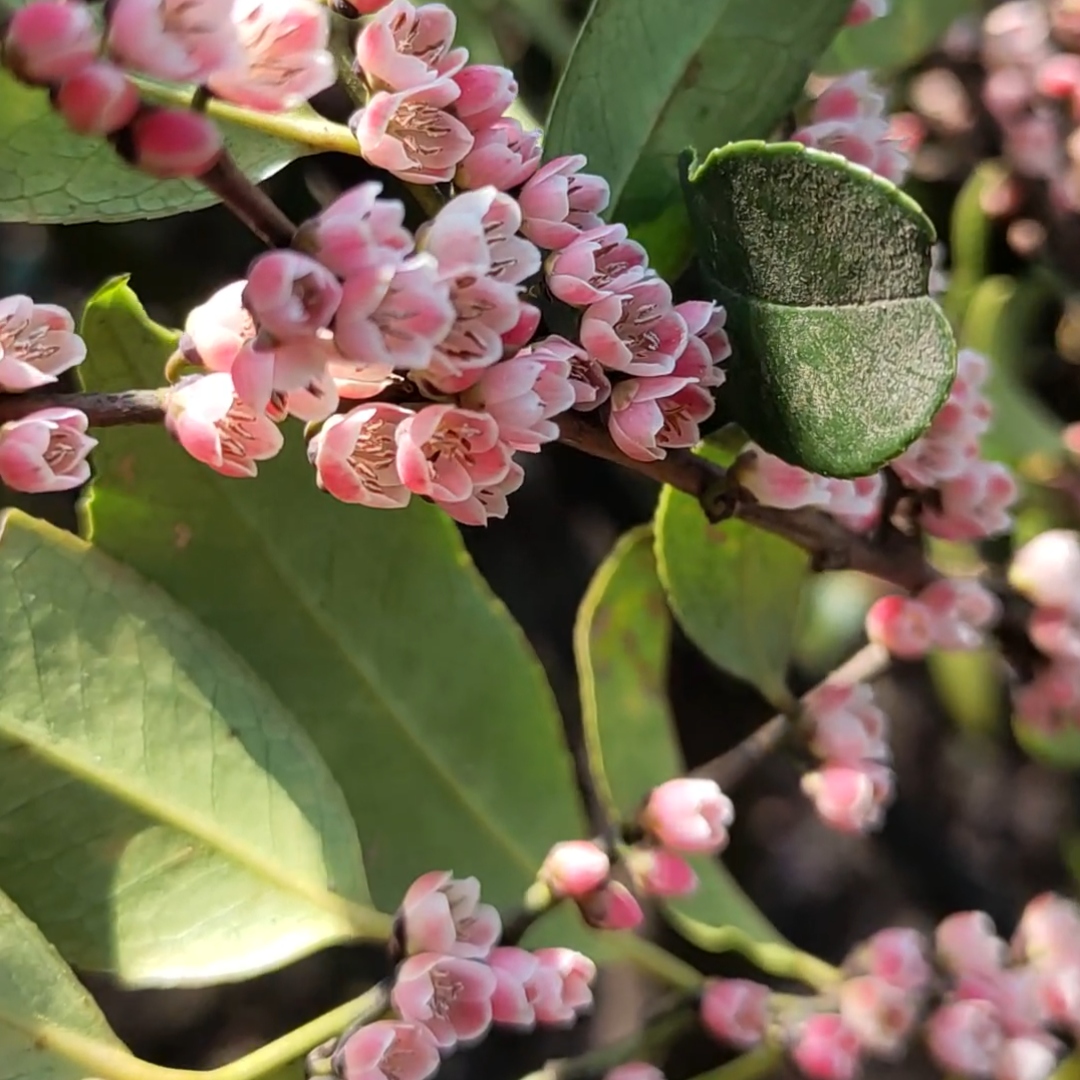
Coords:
978,822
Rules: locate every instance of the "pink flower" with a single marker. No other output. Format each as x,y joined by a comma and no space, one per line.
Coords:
845,724
503,155
967,944
446,453
283,59
826,1049
903,626
297,369
773,482
574,973
1049,931
705,322
640,409
37,343
357,381
1046,569
523,394
354,453
177,40
637,332
634,1070
735,1011
591,385
898,956
597,264
216,330
659,872
449,995
965,1037
405,46
97,100
394,319
559,201
49,40
864,10
388,1050
689,815
575,868
853,97
46,451
443,914
214,426
410,134
1026,1058
359,232
850,798
881,1015
975,504
524,330
290,294
962,608
486,93
486,502
612,907
174,144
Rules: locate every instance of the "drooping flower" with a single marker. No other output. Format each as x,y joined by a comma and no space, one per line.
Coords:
487,502
449,995
214,426
575,868
46,451
296,369
826,1049
897,955
659,872
354,455
388,1050
597,264
575,973
443,914
173,144
217,329
649,416
406,46
503,155
359,232
637,332
881,1015
38,342
290,294
850,798
735,1011
411,133
559,202
965,1037
487,91
690,815
97,99
611,907
967,944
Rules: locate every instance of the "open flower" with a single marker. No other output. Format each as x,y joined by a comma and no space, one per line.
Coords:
37,343
46,451
388,1050
450,996
406,46
443,914
690,815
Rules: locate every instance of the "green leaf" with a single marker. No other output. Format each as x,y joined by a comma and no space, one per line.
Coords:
163,818
840,358
49,175
902,37
50,1026
372,626
734,589
648,78
621,643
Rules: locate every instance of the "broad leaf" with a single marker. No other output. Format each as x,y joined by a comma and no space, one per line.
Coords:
841,359
372,627
734,589
621,643
903,36
648,78
50,175
50,1026
163,818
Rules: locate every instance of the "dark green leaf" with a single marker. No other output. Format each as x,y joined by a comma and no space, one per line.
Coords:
648,78
372,626
621,643
840,358
734,589
50,175
163,817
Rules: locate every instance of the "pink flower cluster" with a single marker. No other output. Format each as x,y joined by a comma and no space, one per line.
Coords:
455,982
1046,570
47,449
847,732
684,816
951,613
848,118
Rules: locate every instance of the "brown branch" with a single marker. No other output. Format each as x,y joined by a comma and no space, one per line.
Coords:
248,202
102,410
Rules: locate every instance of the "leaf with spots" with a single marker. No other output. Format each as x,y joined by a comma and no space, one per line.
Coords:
163,817
649,78
621,642
372,626
734,589
841,359
49,175
50,1026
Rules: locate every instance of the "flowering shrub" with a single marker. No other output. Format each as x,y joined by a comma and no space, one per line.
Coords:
250,714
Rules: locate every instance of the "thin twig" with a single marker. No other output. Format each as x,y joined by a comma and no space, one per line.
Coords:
102,410
248,202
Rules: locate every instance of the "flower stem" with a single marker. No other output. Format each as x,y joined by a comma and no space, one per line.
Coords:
249,203
749,1066
102,410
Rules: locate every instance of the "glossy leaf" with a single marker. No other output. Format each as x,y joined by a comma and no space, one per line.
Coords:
649,78
50,1026
902,37
841,359
734,589
621,643
372,626
163,818
50,175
